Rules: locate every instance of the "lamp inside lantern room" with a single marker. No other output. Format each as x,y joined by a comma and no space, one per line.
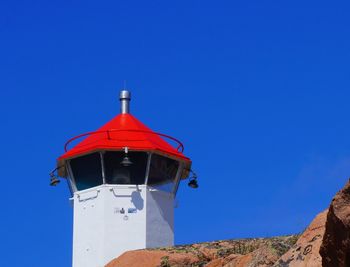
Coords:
126,162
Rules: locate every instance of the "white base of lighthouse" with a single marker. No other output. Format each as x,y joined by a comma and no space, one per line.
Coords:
112,219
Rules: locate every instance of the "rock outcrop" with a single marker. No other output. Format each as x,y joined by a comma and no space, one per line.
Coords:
335,249
244,252
305,253
153,258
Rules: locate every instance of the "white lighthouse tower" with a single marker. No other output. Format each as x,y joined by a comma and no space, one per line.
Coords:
123,178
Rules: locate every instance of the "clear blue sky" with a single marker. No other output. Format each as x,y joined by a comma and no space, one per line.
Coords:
258,91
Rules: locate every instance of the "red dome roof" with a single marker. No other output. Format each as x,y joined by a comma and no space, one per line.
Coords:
124,131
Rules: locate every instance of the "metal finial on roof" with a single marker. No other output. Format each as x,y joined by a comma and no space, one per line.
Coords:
124,97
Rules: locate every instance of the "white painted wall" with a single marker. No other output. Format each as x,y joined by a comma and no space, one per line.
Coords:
159,219
101,231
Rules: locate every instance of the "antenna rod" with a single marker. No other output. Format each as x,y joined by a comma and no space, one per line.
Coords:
124,97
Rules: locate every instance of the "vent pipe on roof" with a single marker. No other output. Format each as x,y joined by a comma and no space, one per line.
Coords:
124,97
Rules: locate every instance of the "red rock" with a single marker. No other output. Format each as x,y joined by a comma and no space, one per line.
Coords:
152,258
215,263
142,257
240,261
335,249
208,253
305,253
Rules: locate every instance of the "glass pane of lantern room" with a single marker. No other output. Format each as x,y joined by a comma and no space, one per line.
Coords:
87,171
116,173
162,173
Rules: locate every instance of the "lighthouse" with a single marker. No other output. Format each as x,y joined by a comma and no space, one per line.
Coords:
123,178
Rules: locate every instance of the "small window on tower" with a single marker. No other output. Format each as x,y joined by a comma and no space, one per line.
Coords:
87,171
162,173
119,173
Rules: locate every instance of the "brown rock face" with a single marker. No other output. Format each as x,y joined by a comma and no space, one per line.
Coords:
153,258
335,249
305,253
131,258
251,252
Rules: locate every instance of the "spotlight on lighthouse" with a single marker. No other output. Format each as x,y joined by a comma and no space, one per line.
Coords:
126,162
54,180
193,181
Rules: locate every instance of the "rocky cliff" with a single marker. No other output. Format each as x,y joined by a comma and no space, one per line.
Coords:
335,249
325,242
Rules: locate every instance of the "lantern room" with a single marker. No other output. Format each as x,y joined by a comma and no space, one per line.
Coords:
125,166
